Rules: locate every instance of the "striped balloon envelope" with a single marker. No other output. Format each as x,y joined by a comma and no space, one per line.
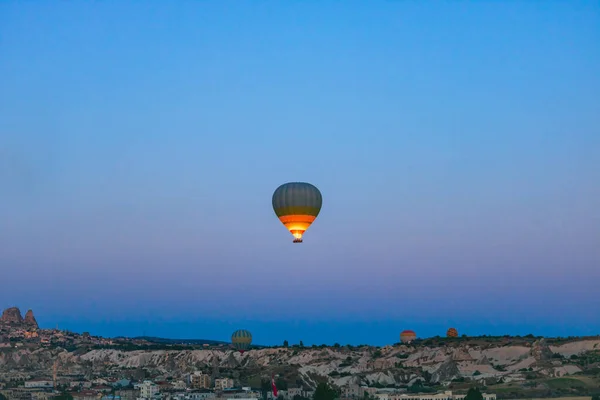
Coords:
241,340
297,205
452,332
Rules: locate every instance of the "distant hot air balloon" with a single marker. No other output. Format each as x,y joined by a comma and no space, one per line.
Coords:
241,340
297,204
407,336
452,332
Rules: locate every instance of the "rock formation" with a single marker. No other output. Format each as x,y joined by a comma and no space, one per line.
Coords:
541,351
30,320
12,315
446,372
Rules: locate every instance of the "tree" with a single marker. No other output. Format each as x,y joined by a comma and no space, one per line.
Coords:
281,384
301,343
325,392
63,396
2,397
474,394
596,397
426,375
285,343
265,387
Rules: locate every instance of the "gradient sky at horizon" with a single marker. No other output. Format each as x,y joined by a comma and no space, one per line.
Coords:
456,144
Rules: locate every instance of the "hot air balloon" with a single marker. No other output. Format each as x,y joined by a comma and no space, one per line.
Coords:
241,340
297,204
407,336
452,332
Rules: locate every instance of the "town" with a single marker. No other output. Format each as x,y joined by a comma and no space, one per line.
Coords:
58,364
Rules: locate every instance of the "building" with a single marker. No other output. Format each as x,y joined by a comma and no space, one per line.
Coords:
200,381
447,395
223,383
17,394
352,392
85,395
80,384
42,395
238,394
148,390
200,395
486,396
421,396
39,384
179,385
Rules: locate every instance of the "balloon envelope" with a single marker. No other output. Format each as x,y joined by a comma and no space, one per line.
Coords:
452,332
297,205
241,339
407,336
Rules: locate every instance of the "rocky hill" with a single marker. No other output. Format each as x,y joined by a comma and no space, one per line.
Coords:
12,317
433,363
503,364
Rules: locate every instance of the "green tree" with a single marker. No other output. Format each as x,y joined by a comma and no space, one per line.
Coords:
281,384
474,394
426,375
285,343
63,396
301,343
2,397
368,396
325,392
596,397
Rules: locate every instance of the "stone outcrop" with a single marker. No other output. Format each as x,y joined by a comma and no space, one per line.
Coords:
12,316
30,320
446,372
541,351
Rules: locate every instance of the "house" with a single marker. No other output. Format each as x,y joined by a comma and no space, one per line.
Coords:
179,385
224,383
102,388
85,395
80,384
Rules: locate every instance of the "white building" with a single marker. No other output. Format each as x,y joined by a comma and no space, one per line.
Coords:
38,384
148,390
179,385
447,395
486,396
223,383
200,396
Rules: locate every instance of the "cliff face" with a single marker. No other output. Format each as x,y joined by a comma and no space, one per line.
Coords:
12,315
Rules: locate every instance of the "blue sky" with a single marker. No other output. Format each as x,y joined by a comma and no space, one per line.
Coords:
457,147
